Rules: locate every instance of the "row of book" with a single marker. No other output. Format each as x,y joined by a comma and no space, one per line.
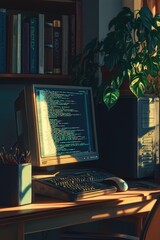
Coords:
36,43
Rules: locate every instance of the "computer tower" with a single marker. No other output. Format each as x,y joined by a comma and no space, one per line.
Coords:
128,136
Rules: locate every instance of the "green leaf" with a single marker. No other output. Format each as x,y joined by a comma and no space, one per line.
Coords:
157,21
123,17
139,84
146,17
111,61
153,67
117,80
111,96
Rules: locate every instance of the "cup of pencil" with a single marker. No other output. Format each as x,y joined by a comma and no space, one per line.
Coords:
15,177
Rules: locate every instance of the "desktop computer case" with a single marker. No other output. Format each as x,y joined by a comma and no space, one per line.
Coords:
129,136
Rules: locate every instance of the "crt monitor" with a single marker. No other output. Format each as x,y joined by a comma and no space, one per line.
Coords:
56,124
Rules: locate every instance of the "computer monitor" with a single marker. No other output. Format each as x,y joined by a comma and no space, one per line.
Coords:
56,124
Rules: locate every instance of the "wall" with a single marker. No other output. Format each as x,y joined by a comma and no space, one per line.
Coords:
107,10
89,20
104,10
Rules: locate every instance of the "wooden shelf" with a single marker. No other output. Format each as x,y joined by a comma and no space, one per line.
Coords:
59,6
36,78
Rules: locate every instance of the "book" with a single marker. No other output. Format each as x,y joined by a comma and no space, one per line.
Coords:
65,43
18,38
14,43
33,53
72,41
48,48
2,40
41,43
57,46
25,45
9,37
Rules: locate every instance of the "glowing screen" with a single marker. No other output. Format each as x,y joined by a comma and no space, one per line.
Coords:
65,120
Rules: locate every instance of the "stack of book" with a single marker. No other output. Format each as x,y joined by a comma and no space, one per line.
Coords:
36,43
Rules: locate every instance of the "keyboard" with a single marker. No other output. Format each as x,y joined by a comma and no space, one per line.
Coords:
74,185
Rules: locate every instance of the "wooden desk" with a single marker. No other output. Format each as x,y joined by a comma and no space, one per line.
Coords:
47,213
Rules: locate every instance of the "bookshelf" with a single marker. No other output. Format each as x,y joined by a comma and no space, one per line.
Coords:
20,67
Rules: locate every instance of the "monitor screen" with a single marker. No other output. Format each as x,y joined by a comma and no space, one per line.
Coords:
57,124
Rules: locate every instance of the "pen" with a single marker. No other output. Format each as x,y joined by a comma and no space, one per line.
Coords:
14,156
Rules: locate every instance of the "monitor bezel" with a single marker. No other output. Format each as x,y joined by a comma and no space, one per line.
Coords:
33,131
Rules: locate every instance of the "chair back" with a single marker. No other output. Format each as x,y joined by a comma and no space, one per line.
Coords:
151,230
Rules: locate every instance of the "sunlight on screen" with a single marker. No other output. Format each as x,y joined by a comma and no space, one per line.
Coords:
47,144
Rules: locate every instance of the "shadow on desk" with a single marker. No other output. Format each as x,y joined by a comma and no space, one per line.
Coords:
47,213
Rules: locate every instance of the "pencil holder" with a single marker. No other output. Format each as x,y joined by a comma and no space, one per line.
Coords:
15,184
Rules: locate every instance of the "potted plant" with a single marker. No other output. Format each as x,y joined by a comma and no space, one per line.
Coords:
130,54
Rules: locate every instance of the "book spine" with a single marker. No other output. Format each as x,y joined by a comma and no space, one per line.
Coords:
14,43
9,36
72,41
48,46
65,43
25,46
19,45
57,46
41,43
34,45
2,40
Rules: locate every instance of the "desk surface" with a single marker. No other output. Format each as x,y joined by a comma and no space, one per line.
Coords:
46,213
